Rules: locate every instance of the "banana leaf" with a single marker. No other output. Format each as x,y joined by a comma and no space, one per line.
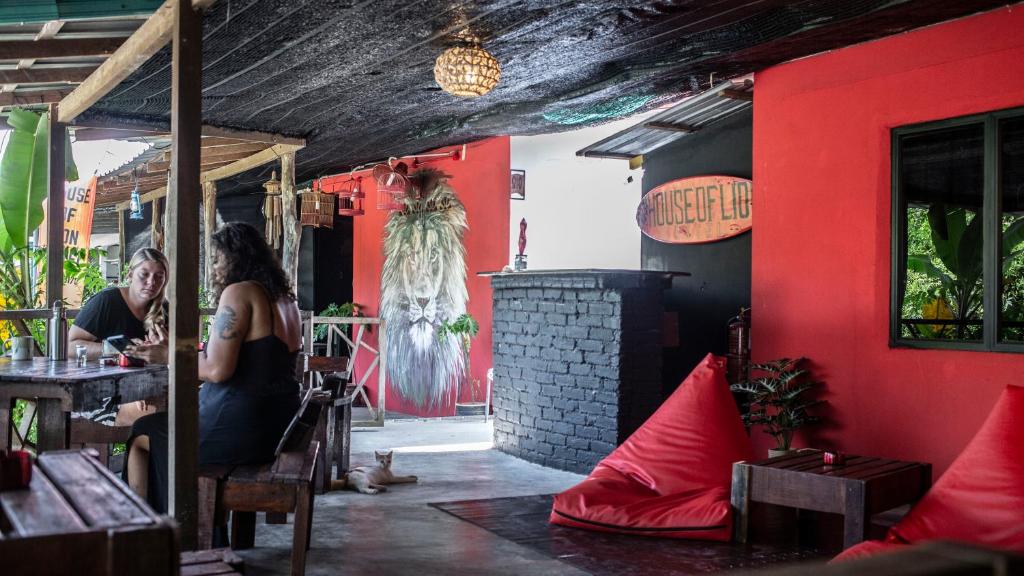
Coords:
24,176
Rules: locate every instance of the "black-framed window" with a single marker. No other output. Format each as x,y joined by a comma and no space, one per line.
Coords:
958,233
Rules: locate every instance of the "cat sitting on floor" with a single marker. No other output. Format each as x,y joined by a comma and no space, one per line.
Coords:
372,479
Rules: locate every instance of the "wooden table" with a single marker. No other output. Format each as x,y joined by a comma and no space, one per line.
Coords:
858,489
77,518
60,388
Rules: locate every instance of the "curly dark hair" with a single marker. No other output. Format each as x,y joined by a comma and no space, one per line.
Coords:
248,258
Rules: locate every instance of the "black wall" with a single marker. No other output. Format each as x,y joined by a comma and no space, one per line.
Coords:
720,281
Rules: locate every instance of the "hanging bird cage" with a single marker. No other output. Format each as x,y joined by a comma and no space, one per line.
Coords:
392,186
317,208
350,198
272,211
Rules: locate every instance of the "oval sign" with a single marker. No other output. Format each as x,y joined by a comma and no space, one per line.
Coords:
697,209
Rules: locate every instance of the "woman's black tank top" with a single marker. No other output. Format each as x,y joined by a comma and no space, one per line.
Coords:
265,365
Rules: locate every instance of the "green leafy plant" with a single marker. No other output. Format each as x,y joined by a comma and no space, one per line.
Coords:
776,401
465,327
346,310
955,261
82,267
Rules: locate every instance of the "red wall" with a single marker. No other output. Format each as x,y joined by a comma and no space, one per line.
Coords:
821,237
481,181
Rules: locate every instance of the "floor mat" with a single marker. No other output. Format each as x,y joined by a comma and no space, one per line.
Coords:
524,520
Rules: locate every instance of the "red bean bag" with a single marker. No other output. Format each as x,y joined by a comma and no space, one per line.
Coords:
980,498
865,549
672,476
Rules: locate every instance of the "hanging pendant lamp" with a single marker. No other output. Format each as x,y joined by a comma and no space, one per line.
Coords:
467,71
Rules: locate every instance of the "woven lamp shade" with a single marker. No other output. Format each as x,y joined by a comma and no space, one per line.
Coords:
467,71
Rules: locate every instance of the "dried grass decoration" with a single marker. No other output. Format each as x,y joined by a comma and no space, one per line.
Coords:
317,209
468,71
272,211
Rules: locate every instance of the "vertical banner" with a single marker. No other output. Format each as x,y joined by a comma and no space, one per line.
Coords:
79,202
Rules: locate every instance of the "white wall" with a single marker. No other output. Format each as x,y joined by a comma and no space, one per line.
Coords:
580,212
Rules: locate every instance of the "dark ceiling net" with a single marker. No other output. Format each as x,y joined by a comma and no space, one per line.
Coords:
356,78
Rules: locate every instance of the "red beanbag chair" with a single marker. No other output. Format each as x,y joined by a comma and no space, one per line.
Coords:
673,475
865,549
980,498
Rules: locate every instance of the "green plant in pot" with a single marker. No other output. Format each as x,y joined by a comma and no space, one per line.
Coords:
778,401
465,328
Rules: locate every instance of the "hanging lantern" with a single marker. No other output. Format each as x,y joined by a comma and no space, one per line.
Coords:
467,71
135,201
350,198
273,211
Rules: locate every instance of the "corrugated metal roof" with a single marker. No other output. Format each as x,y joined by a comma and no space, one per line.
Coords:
687,117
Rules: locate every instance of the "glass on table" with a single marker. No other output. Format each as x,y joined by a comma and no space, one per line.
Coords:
81,354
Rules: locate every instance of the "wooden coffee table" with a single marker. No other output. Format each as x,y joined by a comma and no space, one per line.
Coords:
858,489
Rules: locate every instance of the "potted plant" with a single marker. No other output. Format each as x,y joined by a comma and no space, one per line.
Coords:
777,401
345,310
465,327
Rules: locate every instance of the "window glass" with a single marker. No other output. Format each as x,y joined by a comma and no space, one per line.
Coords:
1011,297
942,190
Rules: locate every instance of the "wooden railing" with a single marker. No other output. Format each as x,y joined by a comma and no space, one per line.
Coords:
357,347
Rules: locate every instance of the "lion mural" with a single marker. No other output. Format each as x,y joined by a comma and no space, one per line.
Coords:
423,283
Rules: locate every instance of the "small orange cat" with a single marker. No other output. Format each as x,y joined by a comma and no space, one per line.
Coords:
372,479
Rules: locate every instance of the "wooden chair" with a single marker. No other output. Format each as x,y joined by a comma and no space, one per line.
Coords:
85,434
285,485
330,374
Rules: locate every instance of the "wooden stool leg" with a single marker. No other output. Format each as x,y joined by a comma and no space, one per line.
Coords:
322,476
207,512
6,421
309,521
243,530
342,438
300,537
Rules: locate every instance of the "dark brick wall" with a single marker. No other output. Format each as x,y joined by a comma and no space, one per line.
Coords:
577,362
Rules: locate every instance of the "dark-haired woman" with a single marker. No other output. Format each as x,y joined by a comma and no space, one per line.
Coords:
250,392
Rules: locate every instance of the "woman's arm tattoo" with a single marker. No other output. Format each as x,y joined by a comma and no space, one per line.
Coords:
225,323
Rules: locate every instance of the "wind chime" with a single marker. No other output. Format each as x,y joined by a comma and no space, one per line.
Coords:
273,211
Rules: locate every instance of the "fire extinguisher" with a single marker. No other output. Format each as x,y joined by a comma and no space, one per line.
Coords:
738,357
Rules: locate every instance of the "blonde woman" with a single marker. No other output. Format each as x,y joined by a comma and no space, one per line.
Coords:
136,311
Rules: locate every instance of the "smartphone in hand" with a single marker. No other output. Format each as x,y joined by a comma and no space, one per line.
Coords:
119,342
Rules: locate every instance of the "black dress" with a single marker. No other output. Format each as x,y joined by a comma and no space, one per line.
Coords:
241,419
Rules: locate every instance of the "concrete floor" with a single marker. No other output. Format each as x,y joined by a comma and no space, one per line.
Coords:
397,532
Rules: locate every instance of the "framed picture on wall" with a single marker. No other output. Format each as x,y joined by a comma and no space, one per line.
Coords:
518,186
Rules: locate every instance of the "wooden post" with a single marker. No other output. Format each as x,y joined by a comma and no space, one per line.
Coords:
290,220
122,239
183,253
209,223
156,228
55,212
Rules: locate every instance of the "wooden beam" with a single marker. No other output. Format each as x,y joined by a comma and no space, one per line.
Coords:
55,211
121,241
671,126
183,250
207,164
92,134
54,48
209,223
290,224
156,227
45,75
49,30
212,135
734,94
253,136
615,155
146,41
260,158
35,97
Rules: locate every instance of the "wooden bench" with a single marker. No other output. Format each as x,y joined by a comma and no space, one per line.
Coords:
78,518
285,485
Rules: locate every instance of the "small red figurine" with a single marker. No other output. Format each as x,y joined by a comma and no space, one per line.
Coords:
833,458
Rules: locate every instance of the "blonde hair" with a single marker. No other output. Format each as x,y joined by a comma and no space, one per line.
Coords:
156,316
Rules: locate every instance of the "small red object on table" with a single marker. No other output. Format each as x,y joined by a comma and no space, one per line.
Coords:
833,458
15,469
129,362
